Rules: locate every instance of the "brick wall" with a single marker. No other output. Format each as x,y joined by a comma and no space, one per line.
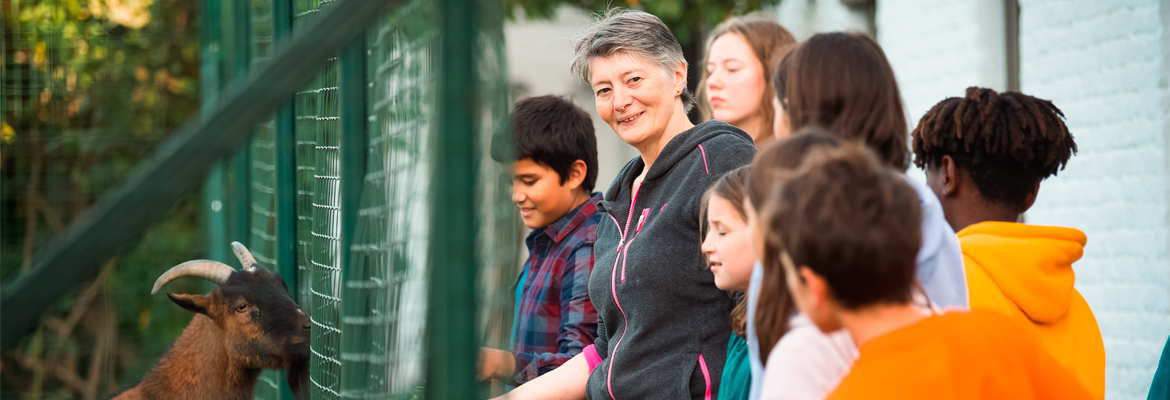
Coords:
1100,62
939,48
1103,63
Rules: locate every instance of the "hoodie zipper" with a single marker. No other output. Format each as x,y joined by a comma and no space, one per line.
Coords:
623,245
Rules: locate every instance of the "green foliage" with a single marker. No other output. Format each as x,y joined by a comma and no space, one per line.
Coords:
686,18
90,88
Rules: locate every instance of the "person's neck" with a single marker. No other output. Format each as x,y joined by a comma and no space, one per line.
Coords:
678,123
977,212
754,126
580,196
872,322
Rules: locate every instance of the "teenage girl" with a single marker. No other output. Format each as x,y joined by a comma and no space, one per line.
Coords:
842,82
741,59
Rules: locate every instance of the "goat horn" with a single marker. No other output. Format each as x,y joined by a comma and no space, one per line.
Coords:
245,256
213,271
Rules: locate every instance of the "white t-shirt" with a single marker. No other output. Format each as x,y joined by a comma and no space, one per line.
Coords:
807,364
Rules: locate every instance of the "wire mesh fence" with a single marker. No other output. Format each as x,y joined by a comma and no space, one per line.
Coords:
365,284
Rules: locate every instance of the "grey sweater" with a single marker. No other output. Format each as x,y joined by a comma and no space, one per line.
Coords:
663,324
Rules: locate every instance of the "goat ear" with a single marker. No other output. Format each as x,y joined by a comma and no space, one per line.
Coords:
192,302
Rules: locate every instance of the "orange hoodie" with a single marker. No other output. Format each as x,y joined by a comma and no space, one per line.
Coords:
1025,271
959,356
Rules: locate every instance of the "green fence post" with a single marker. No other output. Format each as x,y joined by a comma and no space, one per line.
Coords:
286,176
214,212
354,148
451,343
242,160
353,141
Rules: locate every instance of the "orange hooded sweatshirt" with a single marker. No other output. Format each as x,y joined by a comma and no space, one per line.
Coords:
1025,272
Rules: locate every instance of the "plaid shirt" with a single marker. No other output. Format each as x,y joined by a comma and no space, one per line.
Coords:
554,317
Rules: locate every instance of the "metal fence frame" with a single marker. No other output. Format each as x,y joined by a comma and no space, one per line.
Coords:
212,148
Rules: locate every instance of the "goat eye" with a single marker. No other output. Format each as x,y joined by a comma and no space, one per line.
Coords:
242,307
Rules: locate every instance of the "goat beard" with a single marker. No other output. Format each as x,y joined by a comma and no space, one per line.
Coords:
297,375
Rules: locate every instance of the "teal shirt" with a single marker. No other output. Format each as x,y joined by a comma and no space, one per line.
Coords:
1160,387
737,373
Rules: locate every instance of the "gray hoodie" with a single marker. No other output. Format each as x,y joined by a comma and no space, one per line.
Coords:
663,324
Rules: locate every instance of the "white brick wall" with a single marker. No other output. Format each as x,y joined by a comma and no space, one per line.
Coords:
939,48
1099,62
805,18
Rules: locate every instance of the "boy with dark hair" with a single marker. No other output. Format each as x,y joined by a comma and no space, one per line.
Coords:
553,152
985,155
846,230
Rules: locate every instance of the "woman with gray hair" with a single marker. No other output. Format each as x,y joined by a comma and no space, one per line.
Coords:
663,324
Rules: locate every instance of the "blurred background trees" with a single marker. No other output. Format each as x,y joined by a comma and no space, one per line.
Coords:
89,88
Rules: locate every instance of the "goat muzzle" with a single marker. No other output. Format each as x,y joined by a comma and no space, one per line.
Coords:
213,271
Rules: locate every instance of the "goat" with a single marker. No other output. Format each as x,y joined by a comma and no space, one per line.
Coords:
248,323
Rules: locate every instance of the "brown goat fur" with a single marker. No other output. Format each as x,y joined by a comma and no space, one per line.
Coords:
246,325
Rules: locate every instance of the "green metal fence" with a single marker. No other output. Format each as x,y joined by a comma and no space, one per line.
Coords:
365,152
369,188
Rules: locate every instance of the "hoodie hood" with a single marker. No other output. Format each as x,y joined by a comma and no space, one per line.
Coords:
682,145
1031,264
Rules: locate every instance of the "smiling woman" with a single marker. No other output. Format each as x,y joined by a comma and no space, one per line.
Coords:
663,326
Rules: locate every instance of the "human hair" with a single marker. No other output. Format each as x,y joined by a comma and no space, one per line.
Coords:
768,40
551,131
635,33
775,305
1007,142
731,187
853,221
843,82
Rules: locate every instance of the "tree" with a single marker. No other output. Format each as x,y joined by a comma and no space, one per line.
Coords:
90,87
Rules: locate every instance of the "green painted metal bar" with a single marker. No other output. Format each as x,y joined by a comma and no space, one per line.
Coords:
124,213
354,149
286,165
354,120
214,213
452,274
241,189
241,38
286,175
241,199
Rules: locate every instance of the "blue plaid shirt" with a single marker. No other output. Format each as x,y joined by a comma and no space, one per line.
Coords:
554,318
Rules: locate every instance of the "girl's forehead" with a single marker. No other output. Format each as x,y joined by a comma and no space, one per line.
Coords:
730,45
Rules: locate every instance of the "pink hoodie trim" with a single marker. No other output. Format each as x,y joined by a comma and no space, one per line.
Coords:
591,357
706,377
705,159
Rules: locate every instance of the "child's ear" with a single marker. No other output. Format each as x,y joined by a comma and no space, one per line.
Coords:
191,302
576,174
947,169
1031,199
817,286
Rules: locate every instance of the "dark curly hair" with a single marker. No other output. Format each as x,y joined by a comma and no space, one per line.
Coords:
1007,141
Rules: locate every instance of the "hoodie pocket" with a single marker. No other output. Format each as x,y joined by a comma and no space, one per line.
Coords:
696,380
